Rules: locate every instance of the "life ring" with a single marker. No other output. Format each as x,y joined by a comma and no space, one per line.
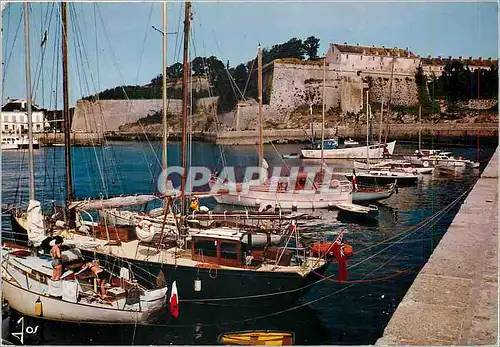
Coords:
145,231
425,163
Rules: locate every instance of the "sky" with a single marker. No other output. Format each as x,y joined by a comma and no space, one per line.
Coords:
113,43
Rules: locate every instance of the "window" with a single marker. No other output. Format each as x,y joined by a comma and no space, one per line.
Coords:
22,127
38,127
229,250
14,120
6,127
206,248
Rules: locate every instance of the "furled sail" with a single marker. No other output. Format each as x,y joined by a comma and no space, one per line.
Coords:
116,202
36,229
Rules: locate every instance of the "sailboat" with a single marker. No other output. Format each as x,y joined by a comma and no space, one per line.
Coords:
221,265
26,276
300,192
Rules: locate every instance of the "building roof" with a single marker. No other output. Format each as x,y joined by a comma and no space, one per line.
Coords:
14,105
480,62
345,48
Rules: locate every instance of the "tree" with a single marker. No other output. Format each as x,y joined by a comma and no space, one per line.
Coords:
175,70
198,66
310,46
241,76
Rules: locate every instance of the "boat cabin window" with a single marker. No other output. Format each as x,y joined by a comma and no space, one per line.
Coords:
229,250
205,247
217,251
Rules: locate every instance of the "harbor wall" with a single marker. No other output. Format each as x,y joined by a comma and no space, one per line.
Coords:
454,298
438,133
395,131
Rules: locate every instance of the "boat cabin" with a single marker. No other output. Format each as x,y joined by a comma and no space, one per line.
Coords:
223,246
233,247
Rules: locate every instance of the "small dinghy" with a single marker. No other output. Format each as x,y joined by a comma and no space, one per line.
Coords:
358,210
257,338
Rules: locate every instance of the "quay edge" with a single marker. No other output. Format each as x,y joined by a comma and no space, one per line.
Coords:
454,298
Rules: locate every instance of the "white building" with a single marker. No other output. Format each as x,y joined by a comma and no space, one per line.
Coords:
372,60
14,117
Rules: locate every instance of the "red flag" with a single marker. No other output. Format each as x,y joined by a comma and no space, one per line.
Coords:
174,301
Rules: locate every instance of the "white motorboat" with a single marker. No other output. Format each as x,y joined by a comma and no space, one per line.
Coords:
374,151
17,142
29,289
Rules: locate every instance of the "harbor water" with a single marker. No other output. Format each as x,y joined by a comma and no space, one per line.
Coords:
388,252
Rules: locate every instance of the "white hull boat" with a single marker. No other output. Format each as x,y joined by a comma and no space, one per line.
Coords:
10,142
29,289
375,151
401,165
277,195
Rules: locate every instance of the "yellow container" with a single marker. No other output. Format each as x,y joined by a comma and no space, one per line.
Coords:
38,308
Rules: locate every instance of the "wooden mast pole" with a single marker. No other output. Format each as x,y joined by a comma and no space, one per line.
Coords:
259,83
164,85
185,76
66,115
28,103
323,114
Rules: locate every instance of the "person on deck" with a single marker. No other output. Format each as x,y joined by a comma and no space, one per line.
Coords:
55,252
194,205
99,273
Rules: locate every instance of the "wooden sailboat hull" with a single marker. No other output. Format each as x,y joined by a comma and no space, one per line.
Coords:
219,286
375,151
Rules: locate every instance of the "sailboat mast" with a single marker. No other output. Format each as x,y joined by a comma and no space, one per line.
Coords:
66,116
259,83
367,130
164,85
419,128
28,103
185,76
323,113
381,118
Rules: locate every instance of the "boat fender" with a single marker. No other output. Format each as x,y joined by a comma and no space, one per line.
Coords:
38,308
425,163
294,206
197,285
257,202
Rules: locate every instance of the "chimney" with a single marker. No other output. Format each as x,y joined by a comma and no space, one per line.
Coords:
480,58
